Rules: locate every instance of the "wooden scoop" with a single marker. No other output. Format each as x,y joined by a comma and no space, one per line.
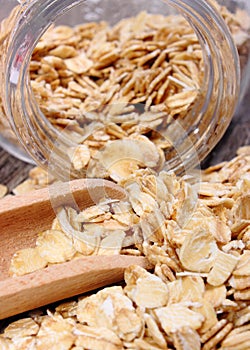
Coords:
22,217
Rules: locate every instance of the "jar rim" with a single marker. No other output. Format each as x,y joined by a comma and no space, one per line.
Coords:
212,33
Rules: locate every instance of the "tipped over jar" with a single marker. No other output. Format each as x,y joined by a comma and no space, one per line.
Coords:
84,84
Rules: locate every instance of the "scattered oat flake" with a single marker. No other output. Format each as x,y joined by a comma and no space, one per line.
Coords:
67,309
213,189
96,338
239,282
149,292
139,151
242,295
224,265
79,64
112,244
128,324
54,246
83,242
24,342
186,289
198,251
55,333
213,330
21,328
243,317
238,338
154,331
216,295
24,187
210,318
80,156
218,337
6,344
25,261
186,338
112,309
243,265
176,316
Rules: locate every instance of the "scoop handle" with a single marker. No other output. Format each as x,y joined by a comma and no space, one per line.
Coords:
57,282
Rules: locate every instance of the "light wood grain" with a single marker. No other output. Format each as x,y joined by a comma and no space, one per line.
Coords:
22,217
57,282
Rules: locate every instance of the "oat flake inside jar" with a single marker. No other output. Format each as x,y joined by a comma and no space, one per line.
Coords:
86,84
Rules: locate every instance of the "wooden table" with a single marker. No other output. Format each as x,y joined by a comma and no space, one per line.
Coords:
14,171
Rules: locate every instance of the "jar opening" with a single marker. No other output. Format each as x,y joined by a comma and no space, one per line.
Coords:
191,137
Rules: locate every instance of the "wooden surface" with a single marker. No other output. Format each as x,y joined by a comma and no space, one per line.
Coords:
21,217
237,135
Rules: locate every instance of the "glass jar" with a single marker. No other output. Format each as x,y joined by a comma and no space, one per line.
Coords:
189,135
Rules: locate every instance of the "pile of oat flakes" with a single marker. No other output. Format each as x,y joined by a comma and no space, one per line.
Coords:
195,233
197,297
100,84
